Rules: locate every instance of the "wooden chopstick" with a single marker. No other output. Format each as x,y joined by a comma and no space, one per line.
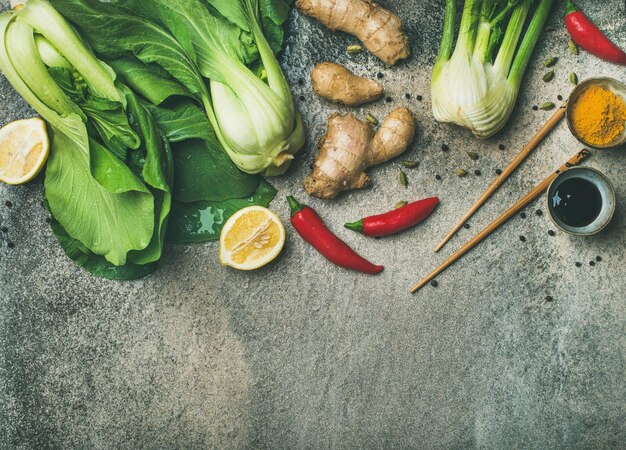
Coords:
528,148
537,190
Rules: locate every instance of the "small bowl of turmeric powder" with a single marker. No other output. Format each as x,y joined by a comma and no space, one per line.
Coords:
596,113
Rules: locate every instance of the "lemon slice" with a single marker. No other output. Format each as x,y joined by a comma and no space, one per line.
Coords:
23,150
251,238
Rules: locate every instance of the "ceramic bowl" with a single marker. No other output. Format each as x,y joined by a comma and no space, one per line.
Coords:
616,87
606,191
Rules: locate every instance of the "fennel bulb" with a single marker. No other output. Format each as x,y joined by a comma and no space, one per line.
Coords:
471,88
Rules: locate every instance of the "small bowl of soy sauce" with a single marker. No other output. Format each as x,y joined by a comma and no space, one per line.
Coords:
581,201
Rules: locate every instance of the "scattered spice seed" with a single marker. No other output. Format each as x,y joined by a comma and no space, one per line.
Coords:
592,263
551,233
549,298
407,96
548,76
477,172
472,155
10,244
434,283
501,146
539,212
547,106
445,147
302,98
461,172
578,264
352,49
410,164
535,108
523,215
379,75
418,98
598,258
371,119
388,99
573,48
573,78
498,172
559,97
401,203
466,226
522,238
8,203
402,179
438,177
550,61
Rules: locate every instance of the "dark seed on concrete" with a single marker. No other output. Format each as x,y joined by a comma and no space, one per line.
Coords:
598,258
498,171
388,99
8,203
501,146
535,108
302,98
522,238
466,226
10,244
579,264
592,263
539,212
549,298
477,172
560,97
434,283
551,233
445,147
418,98
523,215
438,177
407,95
379,75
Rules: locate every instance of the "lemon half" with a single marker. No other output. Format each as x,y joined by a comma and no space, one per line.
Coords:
251,238
24,148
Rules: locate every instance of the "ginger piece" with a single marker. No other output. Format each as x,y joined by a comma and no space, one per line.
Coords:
336,83
350,146
378,29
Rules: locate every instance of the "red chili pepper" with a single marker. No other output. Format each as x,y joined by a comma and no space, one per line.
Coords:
586,34
396,220
312,229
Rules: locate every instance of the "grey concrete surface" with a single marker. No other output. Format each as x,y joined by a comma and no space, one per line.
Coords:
301,354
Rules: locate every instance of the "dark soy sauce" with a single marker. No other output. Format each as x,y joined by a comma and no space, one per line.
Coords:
577,202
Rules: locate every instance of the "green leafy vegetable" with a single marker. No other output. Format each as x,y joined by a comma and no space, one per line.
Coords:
203,221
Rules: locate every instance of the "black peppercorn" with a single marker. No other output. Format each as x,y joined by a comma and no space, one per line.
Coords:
523,215
549,298
522,238
535,108
445,147
598,258
418,98
560,97
388,99
501,147
8,203
466,226
434,283
539,212
551,233
302,98
379,75
477,172
407,95
438,177
578,264
498,172
592,263
10,244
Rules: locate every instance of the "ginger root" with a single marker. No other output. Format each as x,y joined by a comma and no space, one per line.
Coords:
378,29
336,83
350,146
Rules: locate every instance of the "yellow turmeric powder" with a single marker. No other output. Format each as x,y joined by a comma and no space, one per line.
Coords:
599,116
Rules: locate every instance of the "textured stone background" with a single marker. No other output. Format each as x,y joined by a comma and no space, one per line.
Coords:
301,354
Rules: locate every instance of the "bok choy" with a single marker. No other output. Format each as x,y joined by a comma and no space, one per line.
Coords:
476,85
